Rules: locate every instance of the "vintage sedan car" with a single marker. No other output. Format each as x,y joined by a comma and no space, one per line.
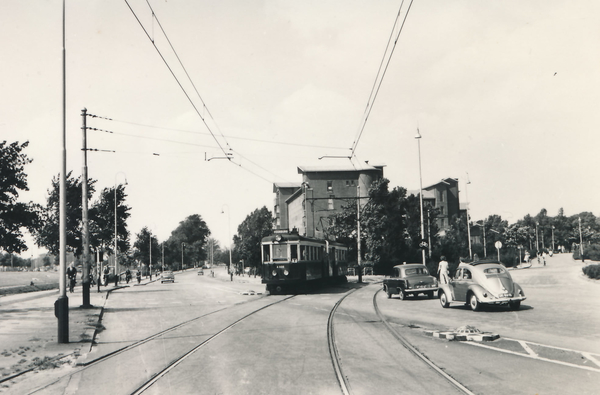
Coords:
482,283
167,275
201,272
410,279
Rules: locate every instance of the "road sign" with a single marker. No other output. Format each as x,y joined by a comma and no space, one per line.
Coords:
498,244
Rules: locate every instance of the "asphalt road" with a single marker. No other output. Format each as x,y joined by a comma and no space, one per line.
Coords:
235,341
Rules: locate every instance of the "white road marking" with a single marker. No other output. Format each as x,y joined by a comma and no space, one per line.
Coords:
589,357
526,347
534,357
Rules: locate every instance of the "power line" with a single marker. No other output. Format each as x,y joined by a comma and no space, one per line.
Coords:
174,76
375,91
231,137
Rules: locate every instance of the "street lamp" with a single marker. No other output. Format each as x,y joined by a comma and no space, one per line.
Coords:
553,239
229,227
468,226
418,137
182,247
116,248
537,240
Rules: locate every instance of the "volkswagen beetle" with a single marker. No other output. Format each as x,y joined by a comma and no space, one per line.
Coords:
482,283
410,279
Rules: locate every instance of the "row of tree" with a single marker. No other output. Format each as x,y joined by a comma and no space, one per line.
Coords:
390,228
391,234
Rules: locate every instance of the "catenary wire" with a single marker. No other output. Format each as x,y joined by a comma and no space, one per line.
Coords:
381,79
176,79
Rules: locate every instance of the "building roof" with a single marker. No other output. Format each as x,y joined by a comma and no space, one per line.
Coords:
360,166
278,185
443,181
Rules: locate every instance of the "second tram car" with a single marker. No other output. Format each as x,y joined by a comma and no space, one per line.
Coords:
292,262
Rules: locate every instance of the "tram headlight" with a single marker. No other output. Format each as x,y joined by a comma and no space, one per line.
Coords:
285,272
274,273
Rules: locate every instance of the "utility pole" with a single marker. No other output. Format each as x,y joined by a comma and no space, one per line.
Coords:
84,207
358,233
61,305
468,225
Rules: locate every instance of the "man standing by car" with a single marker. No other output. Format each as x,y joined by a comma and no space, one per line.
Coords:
443,270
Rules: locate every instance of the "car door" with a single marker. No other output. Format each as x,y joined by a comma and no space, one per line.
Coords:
461,284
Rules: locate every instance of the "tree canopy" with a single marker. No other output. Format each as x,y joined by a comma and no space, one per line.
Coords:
250,232
14,215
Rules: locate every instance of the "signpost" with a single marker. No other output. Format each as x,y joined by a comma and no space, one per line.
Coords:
498,245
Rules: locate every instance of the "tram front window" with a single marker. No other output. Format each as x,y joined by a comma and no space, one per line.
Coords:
280,252
294,253
266,255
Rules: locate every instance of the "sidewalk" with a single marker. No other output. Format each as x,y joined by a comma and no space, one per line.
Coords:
29,329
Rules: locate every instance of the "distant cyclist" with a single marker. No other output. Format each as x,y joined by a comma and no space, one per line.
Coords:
72,275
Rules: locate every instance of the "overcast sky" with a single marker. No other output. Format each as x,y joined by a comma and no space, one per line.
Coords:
506,91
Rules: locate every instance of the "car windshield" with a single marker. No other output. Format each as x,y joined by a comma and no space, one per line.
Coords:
415,271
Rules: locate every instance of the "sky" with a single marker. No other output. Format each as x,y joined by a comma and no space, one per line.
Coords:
504,94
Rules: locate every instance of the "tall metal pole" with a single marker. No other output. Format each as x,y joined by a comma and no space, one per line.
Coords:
182,246
85,220
358,256
418,137
580,240
62,303
552,238
229,226
468,217
116,249
537,240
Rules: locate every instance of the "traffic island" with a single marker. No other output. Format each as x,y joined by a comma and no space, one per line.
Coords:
464,333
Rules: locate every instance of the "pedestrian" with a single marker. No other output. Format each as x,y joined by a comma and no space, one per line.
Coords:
71,274
106,273
443,270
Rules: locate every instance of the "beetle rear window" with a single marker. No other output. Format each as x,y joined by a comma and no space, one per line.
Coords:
493,270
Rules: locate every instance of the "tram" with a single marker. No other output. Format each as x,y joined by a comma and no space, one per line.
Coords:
292,262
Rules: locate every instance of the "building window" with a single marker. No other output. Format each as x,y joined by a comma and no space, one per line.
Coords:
329,186
330,204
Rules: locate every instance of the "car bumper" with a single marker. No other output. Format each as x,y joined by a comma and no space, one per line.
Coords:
502,300
421,290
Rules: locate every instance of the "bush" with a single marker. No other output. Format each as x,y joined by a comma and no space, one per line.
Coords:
590,251
592,271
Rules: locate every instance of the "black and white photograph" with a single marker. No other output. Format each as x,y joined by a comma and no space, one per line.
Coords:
299,197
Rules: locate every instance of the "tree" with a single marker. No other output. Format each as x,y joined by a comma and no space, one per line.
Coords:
141,248
189,239
390,227
14,215
250,232
102,221
48,233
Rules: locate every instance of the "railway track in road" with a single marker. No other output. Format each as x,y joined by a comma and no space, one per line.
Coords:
416,352
134,346
336,360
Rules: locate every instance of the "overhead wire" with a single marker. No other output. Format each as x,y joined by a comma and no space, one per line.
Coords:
175,76
376,84
186,72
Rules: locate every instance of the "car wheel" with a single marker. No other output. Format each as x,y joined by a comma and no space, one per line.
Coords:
401,294
387,291
515,305
444,299
474,303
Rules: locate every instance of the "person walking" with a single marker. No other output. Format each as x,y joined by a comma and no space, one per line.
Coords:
443,270
72,275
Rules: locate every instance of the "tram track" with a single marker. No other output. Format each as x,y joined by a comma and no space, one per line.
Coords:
342,377
131,347
406,344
